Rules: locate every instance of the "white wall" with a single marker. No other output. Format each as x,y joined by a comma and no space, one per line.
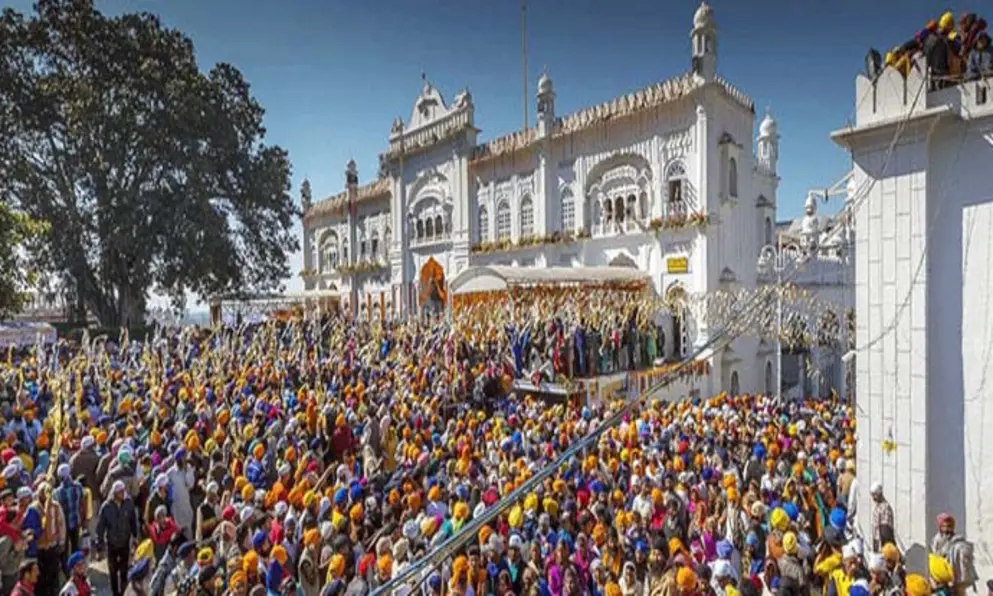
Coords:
924,331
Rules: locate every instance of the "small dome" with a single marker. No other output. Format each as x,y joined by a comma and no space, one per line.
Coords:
703,17
544,83
810,205
768,127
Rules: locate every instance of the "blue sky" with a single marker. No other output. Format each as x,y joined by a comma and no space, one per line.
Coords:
333,74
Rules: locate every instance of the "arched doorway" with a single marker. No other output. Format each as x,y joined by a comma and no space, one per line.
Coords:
769,382
678,303
735,387
433,289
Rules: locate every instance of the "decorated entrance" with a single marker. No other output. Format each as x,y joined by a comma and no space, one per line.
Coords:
433,289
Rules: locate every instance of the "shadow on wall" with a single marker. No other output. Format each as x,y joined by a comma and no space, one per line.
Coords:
960,213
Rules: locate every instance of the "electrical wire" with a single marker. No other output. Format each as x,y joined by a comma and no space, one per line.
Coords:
929,230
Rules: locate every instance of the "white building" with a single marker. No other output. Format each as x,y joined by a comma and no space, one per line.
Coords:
924,269
818,366
663,179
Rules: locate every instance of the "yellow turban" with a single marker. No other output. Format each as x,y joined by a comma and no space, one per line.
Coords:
891,553
311,537
516,517
789,543
145,550
779,520
484,534
686,579
916,585
309,499
940,569
250,562
336,568
551,506
205,556
238,578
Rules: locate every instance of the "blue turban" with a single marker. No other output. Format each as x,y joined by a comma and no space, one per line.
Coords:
139,570
724,549
838,518
75,559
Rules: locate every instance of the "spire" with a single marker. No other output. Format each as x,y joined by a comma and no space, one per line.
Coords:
704,42
306,198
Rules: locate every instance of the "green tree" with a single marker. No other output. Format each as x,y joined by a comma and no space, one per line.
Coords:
153,175
17,234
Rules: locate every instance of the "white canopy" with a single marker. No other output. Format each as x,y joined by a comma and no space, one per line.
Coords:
20,334
496,278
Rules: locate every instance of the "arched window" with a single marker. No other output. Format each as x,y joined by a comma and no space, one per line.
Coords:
362,248
768,230
374,241
632,208
328,252
675,176
619,209
420,230
735,388
484,225
733,177
527,217
429,228
643,205
344,252
608,212
439,226
503,221
770,383
568,211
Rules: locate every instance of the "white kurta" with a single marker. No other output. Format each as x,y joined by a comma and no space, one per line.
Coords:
181,481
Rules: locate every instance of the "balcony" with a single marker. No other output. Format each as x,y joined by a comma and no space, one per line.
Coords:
677,215
426,240
630,225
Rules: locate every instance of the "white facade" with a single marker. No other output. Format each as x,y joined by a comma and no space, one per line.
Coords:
924,211
664,179
828,278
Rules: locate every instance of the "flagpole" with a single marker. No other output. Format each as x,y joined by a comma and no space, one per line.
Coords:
524,58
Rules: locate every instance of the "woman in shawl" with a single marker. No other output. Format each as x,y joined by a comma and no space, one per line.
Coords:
630,586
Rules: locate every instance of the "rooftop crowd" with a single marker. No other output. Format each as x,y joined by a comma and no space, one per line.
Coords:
327,457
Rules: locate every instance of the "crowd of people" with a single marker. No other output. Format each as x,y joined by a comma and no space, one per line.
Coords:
329,457
953,51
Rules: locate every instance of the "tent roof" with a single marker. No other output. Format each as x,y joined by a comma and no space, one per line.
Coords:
497,278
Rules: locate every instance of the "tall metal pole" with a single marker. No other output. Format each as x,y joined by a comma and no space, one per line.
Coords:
524,58
779,326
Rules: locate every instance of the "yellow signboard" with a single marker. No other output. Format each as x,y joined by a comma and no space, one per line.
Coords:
678,265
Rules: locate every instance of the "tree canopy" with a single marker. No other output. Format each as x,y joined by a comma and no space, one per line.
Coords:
152,174
17,234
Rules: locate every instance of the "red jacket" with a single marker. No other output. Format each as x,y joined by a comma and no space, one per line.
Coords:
163,533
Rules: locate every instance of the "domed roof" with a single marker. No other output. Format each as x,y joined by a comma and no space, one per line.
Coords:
704,16
768,127
544,83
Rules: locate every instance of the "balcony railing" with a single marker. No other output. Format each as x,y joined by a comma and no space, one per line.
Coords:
675,209
435,238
